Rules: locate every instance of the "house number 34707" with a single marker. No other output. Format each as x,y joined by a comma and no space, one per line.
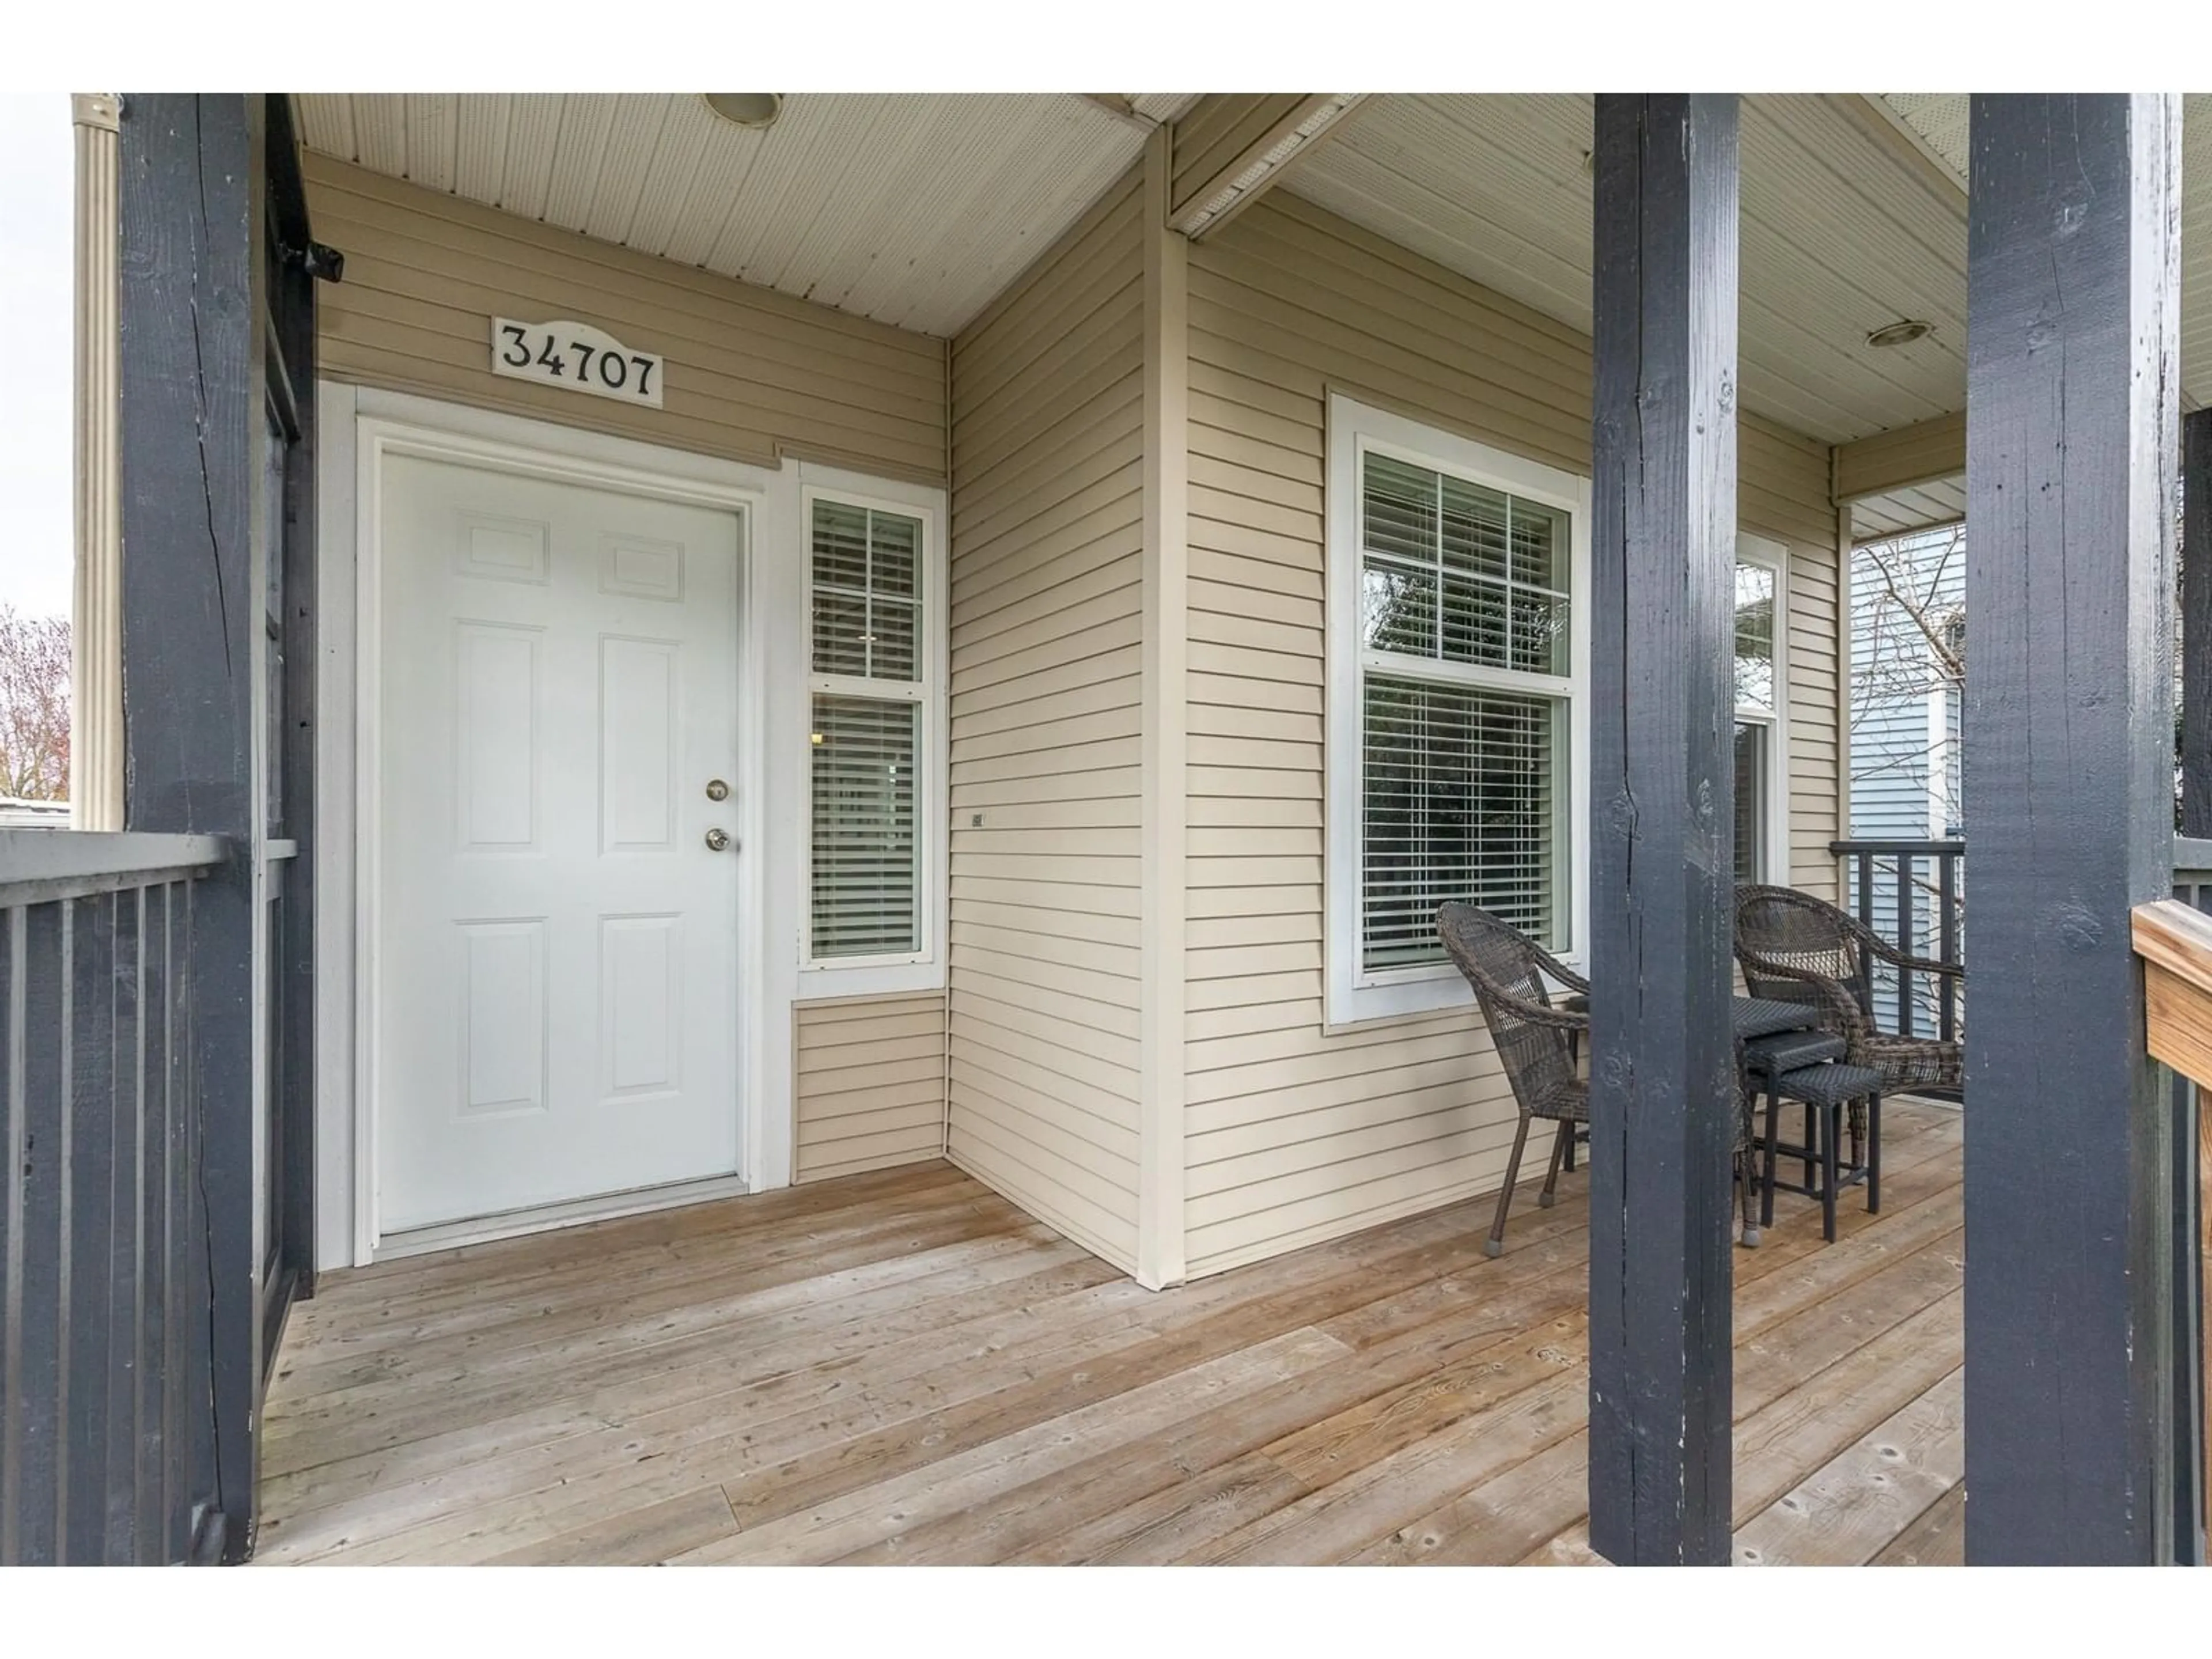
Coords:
577,357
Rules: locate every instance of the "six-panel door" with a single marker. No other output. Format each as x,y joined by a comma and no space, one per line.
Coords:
556,952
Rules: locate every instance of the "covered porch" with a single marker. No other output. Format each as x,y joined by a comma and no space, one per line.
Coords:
903,1367
1113,627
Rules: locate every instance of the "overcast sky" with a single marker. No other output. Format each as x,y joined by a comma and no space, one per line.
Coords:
37,158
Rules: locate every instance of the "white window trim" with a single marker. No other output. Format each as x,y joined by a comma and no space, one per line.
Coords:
1355,994
1773,556
1940,745
922,969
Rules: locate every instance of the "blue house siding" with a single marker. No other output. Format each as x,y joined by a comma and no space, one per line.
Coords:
1905,774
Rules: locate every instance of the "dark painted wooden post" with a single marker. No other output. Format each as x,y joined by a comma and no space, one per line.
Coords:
192,440
297,264
1662,602
2196,624
2073,308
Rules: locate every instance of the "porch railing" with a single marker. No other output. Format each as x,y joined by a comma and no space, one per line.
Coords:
106,1429
1910,894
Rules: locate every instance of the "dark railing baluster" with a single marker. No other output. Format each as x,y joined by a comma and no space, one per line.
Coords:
126,1272
105,1388
1866,919
1905,942
1947,943
1900,927
156,1379
39,1348
88,1102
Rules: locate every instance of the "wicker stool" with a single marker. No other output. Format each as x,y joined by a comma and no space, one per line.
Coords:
1765,1058
1825,1089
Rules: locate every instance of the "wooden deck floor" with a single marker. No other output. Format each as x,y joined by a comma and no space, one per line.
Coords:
902,1367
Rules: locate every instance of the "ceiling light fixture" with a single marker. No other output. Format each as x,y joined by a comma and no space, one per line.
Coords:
745,109
1904,331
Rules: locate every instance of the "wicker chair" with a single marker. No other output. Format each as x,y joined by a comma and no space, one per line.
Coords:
1536,1042
1539,1044
1792,944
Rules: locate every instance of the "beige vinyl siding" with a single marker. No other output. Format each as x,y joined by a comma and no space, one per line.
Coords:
751,375
1906,455
1218,128
1297,1132
868,1088
1045,543
1782,492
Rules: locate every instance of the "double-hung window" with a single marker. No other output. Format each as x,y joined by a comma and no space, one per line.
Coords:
1456,712
869,733
1761,806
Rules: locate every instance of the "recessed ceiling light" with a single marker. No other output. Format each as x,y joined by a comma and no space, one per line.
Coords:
745,109
1904,331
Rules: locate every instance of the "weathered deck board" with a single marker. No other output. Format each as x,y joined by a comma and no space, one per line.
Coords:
1851,1510
902,1367
1937,1539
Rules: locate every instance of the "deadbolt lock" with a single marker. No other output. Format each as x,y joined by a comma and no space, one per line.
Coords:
717,790
718,840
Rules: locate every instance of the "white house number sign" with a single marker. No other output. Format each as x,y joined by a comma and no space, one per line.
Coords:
577,356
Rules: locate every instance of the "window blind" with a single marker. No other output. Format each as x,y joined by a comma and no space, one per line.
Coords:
865,592
1751,785
1754,636
1458,582
1457,803
865,867
1756,587
1458,573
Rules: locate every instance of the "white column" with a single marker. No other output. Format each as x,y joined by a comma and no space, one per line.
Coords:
96,633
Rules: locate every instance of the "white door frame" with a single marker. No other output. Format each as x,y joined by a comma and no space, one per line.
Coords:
357,428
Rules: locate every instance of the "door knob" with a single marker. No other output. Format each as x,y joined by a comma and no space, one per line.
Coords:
718,840
717,790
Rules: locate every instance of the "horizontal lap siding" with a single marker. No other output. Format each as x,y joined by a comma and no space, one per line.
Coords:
868,1084
1047,623
1295,1133
1785,483
751,375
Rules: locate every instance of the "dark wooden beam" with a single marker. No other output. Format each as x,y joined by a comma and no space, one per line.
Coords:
2072,306
1662,1093
2196,624
193,442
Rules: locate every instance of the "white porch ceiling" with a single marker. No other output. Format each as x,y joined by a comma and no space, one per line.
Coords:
1846,227
1938,120
1915,506
912,209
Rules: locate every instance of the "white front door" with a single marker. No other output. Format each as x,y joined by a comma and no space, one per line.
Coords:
557,943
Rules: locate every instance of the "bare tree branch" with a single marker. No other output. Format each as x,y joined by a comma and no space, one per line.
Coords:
1919,604
34,705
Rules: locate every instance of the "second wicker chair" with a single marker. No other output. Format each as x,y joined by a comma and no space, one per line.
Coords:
1793,946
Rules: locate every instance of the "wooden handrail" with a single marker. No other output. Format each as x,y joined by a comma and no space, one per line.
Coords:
2175,943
